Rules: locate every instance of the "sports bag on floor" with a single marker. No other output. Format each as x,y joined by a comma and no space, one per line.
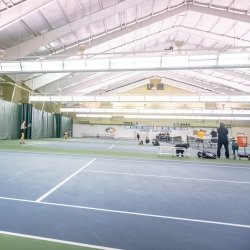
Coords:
206,154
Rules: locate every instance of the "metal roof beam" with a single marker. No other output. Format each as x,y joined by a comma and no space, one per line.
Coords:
16,13
236,74
27,47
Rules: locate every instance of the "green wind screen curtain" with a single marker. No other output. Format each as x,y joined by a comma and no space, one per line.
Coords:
43,124
58,118
10,116
26,115
63,124
66,124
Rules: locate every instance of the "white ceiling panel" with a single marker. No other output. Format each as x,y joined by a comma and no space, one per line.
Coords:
113,21
54,16
109,3
19,32
144,9
130,14
70,9
239,29
90,6
37,23
160,5
97,28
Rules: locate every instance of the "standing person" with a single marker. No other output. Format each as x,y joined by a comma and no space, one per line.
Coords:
222,140
213,138
167,137
69,134
138,136
235,147
23,127
200,138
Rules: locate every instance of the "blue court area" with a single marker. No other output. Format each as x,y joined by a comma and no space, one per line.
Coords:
119,203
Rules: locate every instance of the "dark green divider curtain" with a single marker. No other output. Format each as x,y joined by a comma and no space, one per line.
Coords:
26,115
43,124
66,124
58,119
63,124
10,116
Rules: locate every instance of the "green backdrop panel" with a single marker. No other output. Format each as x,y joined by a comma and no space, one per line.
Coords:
10,116
43,124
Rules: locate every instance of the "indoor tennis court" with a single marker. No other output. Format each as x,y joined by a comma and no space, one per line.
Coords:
124,124
102,201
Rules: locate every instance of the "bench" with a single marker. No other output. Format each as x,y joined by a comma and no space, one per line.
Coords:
166,150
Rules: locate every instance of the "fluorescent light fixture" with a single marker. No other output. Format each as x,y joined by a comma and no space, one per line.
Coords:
185,98
122,63
31,66
61,98
86,110
98,64
179,117
40,98
93,116
87,98
243,98
68,110
220,115
133,63
10,67
83,98
129,110
147,62
52,66
214,98
158,98
78,98
174,61
74,65
193,112
132,98
107,98
233,59
202,60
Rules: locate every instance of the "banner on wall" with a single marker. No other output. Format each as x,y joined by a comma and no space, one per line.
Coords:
110,130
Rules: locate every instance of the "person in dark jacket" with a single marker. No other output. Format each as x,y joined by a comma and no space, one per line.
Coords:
222,140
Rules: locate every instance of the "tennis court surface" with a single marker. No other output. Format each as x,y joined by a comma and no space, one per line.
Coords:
104,194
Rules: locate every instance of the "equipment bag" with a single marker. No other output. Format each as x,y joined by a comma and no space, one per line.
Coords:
206,154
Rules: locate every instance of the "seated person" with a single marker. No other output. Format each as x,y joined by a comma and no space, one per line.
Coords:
180,150
65,135
147,140
155,142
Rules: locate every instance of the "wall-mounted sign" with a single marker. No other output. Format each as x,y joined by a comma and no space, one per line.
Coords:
110,130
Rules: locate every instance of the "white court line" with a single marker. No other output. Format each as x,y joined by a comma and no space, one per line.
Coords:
111,146
36,143
131,213
169,177
56,241
175,163
64,181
